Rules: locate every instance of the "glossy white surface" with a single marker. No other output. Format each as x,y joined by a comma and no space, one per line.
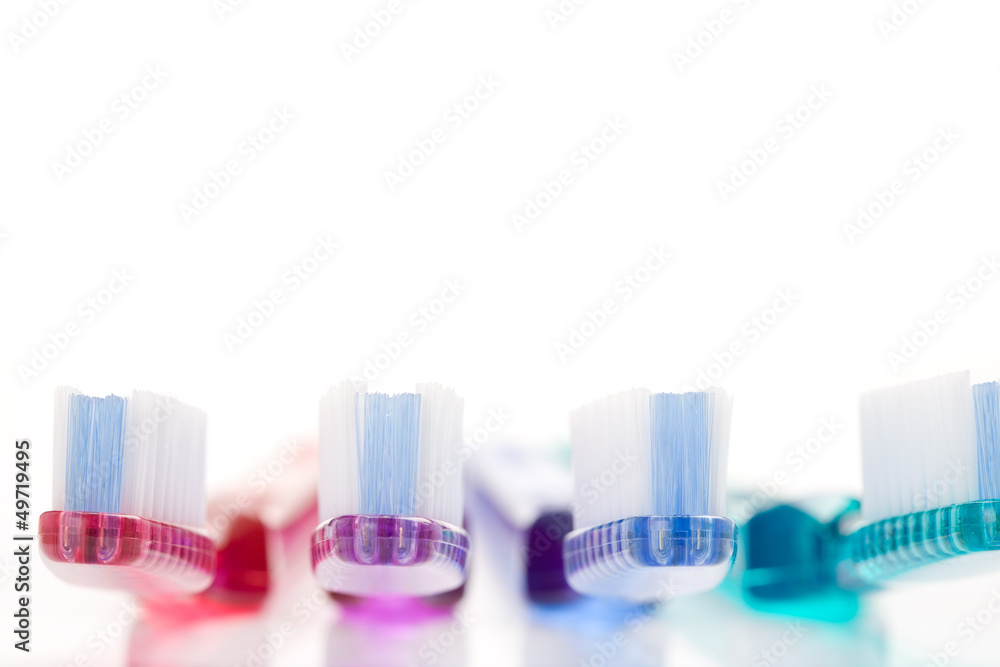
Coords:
779,242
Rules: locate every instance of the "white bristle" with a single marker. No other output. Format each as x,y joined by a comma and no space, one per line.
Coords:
611,460
59,446
642,454
340,413
723,417
439,480
144,456
918,444
393,455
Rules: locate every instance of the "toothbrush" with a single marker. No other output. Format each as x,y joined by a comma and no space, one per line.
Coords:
520,502
931,497
262,527
789,558
128,495
649,480
390,493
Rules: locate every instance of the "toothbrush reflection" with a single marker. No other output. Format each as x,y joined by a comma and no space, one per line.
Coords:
765,639
596,633
401,633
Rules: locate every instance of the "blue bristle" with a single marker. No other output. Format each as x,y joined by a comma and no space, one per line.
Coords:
681,448
94,449
388,461
987,398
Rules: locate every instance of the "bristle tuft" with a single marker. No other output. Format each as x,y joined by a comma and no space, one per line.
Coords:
439,478
387,463
391,454
690,438
637,454
611,458
94,453
918,444
143,456
341,411
987,399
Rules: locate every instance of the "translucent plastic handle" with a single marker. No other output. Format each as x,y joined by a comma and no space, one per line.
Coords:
389,556
650,558
146,557
924,545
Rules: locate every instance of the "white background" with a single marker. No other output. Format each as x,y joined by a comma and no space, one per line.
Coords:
686,128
